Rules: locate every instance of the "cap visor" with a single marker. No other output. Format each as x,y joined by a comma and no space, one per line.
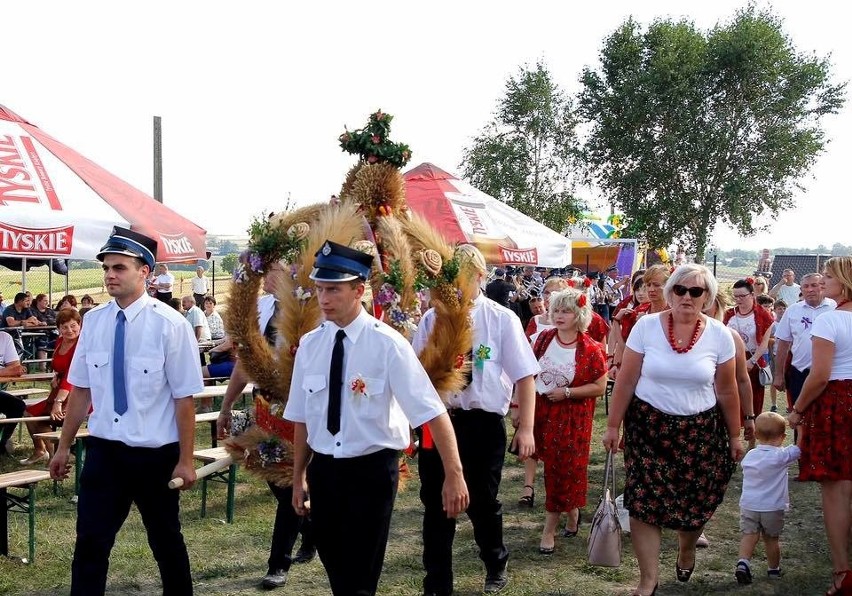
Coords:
320,274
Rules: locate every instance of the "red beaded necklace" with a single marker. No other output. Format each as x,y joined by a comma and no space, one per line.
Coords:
673,342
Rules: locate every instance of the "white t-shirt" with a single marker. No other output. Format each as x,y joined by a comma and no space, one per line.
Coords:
8,353
836,327
795,326
746,328
765,477
789,294
679,384
558,366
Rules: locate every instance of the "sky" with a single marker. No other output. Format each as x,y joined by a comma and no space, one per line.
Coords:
253,95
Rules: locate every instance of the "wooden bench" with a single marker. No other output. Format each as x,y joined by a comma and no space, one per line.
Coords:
28,392
19,504
227,477
210,417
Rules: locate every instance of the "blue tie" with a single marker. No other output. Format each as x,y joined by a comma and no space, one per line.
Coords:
119,387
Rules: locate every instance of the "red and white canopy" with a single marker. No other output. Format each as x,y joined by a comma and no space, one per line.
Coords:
56,204
467,215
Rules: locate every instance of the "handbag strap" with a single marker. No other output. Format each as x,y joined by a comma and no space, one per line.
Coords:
609,476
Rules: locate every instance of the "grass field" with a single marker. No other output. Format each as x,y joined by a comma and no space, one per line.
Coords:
231,558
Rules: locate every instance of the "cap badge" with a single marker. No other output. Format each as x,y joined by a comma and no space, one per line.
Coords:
326,249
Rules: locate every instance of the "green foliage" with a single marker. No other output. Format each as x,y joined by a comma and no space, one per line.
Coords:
229,262
690,128
526,155
371,143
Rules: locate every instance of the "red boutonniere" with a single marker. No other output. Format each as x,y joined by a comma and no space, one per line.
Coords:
358,386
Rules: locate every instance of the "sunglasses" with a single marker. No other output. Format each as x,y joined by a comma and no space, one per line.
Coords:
694,291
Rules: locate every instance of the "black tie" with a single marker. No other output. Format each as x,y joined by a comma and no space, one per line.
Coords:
335,379
271,333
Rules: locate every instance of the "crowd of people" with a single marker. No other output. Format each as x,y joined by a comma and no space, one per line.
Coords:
689,370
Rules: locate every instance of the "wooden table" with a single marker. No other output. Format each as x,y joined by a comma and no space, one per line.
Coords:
219,391
79,450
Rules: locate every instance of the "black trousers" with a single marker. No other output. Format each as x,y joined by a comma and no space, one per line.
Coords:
795,381
199,300
351,505
164,296
13,407
115,476
481,438
287,527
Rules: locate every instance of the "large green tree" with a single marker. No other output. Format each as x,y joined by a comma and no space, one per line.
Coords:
526,156
691,128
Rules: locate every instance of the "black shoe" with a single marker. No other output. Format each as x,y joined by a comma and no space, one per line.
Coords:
494,582
274,579
304,555
683,573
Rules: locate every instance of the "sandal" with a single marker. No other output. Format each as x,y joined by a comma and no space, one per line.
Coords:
845,587
527,500
566,533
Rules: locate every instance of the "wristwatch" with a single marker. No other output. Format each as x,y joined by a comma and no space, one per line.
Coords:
750,417
567,393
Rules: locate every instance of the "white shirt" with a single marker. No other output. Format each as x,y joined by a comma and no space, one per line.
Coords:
197,318
161,365
166,278
558,366
199,285
679,384
765,477
396,393
265,310
796,325
746,327
216,324
497,333
836,327
8,353
789,294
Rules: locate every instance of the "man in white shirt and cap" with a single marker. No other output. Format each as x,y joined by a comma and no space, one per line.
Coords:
357,387
136,364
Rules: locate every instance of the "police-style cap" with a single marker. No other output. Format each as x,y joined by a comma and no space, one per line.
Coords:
132,244
335,262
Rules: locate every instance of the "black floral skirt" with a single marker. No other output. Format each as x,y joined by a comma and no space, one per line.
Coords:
677,467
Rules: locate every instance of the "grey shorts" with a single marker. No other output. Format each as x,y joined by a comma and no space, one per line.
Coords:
769,523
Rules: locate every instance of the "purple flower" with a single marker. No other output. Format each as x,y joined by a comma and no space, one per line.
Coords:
256,263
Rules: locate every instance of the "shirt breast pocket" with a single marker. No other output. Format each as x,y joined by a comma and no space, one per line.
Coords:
316,391
100,373
147,376
371,403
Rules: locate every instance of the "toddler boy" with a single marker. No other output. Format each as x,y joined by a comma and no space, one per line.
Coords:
765,496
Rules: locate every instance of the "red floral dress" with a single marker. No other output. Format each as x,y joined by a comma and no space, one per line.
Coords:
563,429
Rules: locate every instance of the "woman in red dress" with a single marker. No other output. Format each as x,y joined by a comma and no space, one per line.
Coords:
68,322
573,375
824,413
